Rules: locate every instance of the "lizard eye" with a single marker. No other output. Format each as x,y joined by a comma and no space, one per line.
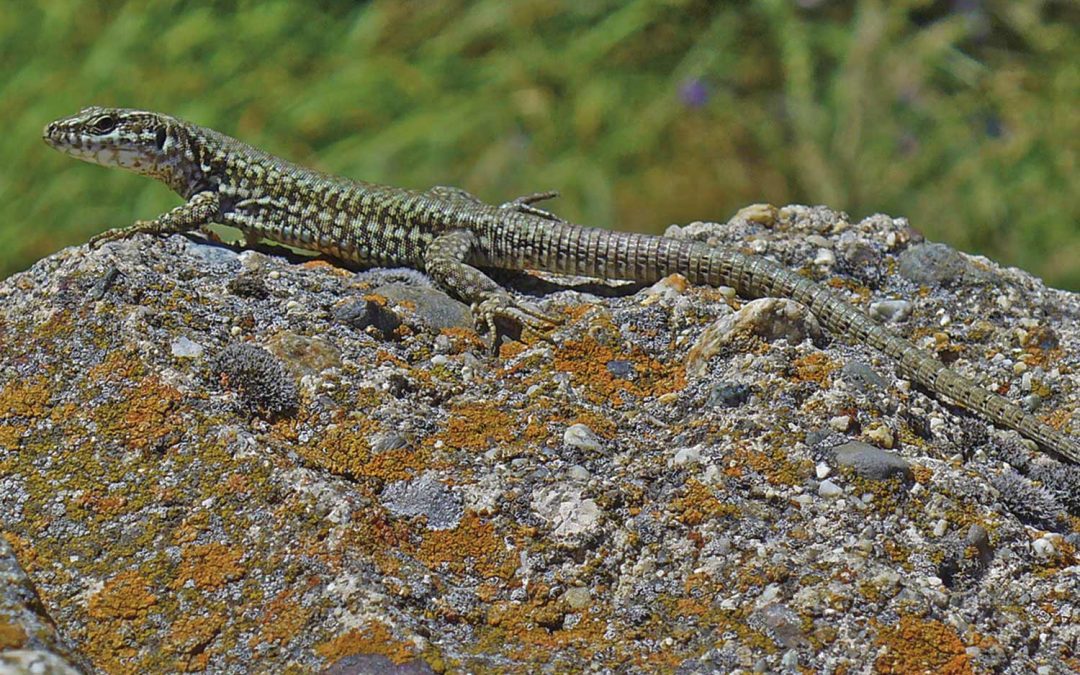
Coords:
104,124
159,138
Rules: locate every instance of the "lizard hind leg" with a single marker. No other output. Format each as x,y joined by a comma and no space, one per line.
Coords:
445,260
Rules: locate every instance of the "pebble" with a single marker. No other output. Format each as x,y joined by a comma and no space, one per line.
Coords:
829,489
890,311
577,597
582,437
685,456
881,435
768,318
182,347
1044,548
871,462
825,258
579,473
840,423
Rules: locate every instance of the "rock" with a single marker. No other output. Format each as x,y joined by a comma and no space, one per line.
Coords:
29,642
871,462
938,264
424,496
767,318
431,308
430,506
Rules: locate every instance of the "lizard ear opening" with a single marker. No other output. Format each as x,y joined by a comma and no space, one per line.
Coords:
159,139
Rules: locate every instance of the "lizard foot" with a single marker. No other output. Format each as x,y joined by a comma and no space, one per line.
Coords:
524,204
119,233
503,307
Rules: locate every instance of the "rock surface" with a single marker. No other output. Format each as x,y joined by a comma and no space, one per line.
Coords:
371,491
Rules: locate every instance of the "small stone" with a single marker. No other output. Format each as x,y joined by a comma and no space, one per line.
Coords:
763,214
566,509
829,489
579,473
822,470
1044,548
825,258
430,307
582,437
184,348
881,435
862,376
577,598
938,264
890,311
768,318
840,423
685,456
729,394
871,462
305,354
425,496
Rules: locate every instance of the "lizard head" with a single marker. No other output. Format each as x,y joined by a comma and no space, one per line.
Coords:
136,140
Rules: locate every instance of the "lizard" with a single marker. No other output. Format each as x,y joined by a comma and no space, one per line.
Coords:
453,237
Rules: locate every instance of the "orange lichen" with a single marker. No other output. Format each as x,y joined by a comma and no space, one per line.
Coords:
372,638
772,462
117,366
587,362
25,398
698,504
210,566
189,637
478,426
917,645
12,636
472,547
101,504
537,626
282,620
125,596
817,368
9,436
345,450
144,417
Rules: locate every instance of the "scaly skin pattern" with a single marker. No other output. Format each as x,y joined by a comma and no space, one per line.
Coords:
451,235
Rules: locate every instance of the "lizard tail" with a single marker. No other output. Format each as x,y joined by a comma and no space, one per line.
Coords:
757,277
571,249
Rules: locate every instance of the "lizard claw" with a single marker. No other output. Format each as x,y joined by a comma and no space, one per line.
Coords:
524,204
502,306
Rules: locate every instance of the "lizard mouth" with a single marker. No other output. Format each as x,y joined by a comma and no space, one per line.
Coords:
49,135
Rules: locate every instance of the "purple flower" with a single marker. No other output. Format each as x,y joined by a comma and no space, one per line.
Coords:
694,93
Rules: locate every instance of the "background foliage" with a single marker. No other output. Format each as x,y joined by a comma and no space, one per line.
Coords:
960,115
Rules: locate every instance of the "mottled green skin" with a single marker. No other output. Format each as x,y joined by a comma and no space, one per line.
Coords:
451,235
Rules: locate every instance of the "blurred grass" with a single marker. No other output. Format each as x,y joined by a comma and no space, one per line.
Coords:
962,115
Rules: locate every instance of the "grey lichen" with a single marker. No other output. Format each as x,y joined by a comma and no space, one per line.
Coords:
263,383
1032,504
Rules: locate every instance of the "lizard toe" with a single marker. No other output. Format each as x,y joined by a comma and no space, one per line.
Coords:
502,307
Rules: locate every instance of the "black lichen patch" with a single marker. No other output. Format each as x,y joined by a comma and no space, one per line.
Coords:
264,385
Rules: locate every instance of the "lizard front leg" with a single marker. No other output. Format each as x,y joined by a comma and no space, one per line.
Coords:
445,260
202,209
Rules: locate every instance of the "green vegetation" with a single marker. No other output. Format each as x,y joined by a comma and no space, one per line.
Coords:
642,112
